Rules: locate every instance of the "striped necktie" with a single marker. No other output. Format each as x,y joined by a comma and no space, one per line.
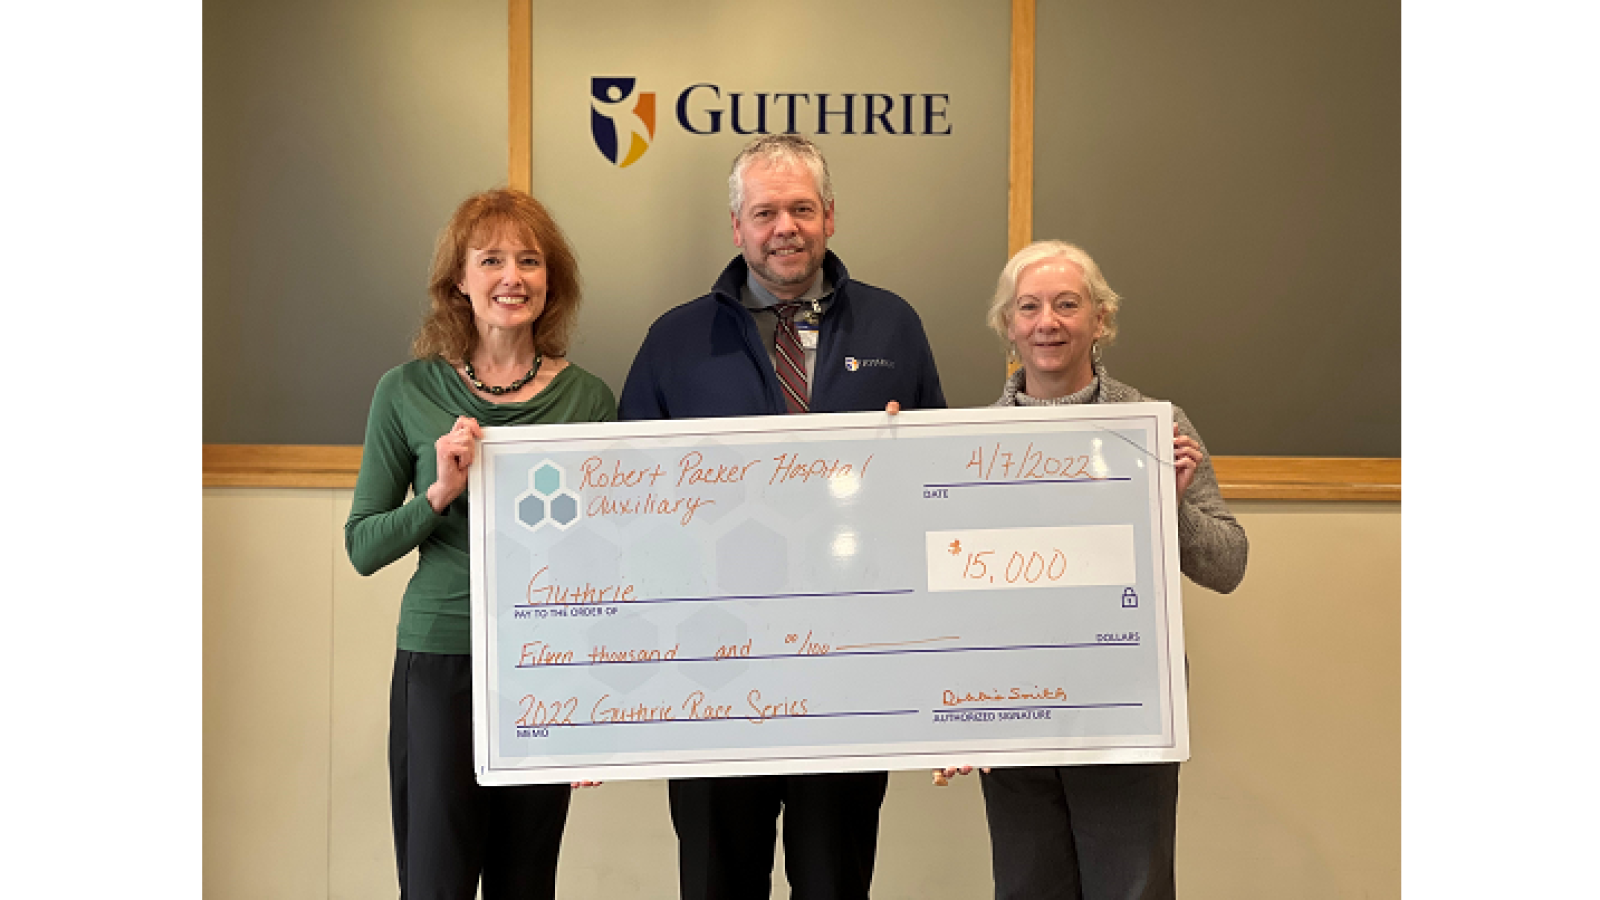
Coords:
790,359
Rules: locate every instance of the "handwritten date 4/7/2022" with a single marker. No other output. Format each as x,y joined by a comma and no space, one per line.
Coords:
1030,463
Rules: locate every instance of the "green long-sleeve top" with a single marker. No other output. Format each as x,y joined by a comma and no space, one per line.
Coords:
414,405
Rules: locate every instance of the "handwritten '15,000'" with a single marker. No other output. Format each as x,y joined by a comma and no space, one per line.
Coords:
1031,567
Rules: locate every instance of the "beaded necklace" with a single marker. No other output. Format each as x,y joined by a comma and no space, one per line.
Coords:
508,389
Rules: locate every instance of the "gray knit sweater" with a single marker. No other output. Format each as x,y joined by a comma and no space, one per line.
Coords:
1212,548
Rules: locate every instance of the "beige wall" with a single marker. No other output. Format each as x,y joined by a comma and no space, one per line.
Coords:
1293,789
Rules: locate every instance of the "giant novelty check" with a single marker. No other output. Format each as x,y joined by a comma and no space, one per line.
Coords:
826,593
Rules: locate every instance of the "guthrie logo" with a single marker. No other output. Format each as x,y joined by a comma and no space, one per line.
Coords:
614,110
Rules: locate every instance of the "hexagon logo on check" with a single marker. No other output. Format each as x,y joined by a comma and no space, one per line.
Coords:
547,501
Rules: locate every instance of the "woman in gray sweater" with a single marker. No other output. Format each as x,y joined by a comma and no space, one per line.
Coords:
1093,832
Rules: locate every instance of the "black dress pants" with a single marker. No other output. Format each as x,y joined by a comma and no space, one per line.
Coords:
727,829
448,830
1083,832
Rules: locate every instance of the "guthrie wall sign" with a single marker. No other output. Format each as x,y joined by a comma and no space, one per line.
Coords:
705,109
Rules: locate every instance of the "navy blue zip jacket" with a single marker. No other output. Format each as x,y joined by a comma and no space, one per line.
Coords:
705,359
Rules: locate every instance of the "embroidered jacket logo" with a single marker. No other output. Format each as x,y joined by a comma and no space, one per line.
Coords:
615,110
851,364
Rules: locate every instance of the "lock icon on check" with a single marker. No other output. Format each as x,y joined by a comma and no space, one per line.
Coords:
1130,600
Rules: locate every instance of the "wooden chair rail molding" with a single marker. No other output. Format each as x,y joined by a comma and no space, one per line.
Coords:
1242,477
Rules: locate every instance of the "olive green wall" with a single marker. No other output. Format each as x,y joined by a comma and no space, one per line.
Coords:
338,137
1234,166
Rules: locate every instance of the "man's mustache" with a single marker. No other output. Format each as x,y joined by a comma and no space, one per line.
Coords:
786,244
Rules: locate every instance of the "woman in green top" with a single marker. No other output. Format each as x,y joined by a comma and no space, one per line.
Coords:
492,351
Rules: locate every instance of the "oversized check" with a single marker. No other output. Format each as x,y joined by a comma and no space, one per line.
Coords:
826,593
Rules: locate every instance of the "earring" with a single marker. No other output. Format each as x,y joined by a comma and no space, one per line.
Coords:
1094,353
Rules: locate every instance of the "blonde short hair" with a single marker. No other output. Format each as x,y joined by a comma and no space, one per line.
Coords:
1100,293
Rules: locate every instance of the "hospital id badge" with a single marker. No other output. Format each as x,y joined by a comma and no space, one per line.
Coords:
807,332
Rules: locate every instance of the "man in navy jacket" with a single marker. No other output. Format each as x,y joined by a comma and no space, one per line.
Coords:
713,356
864,348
